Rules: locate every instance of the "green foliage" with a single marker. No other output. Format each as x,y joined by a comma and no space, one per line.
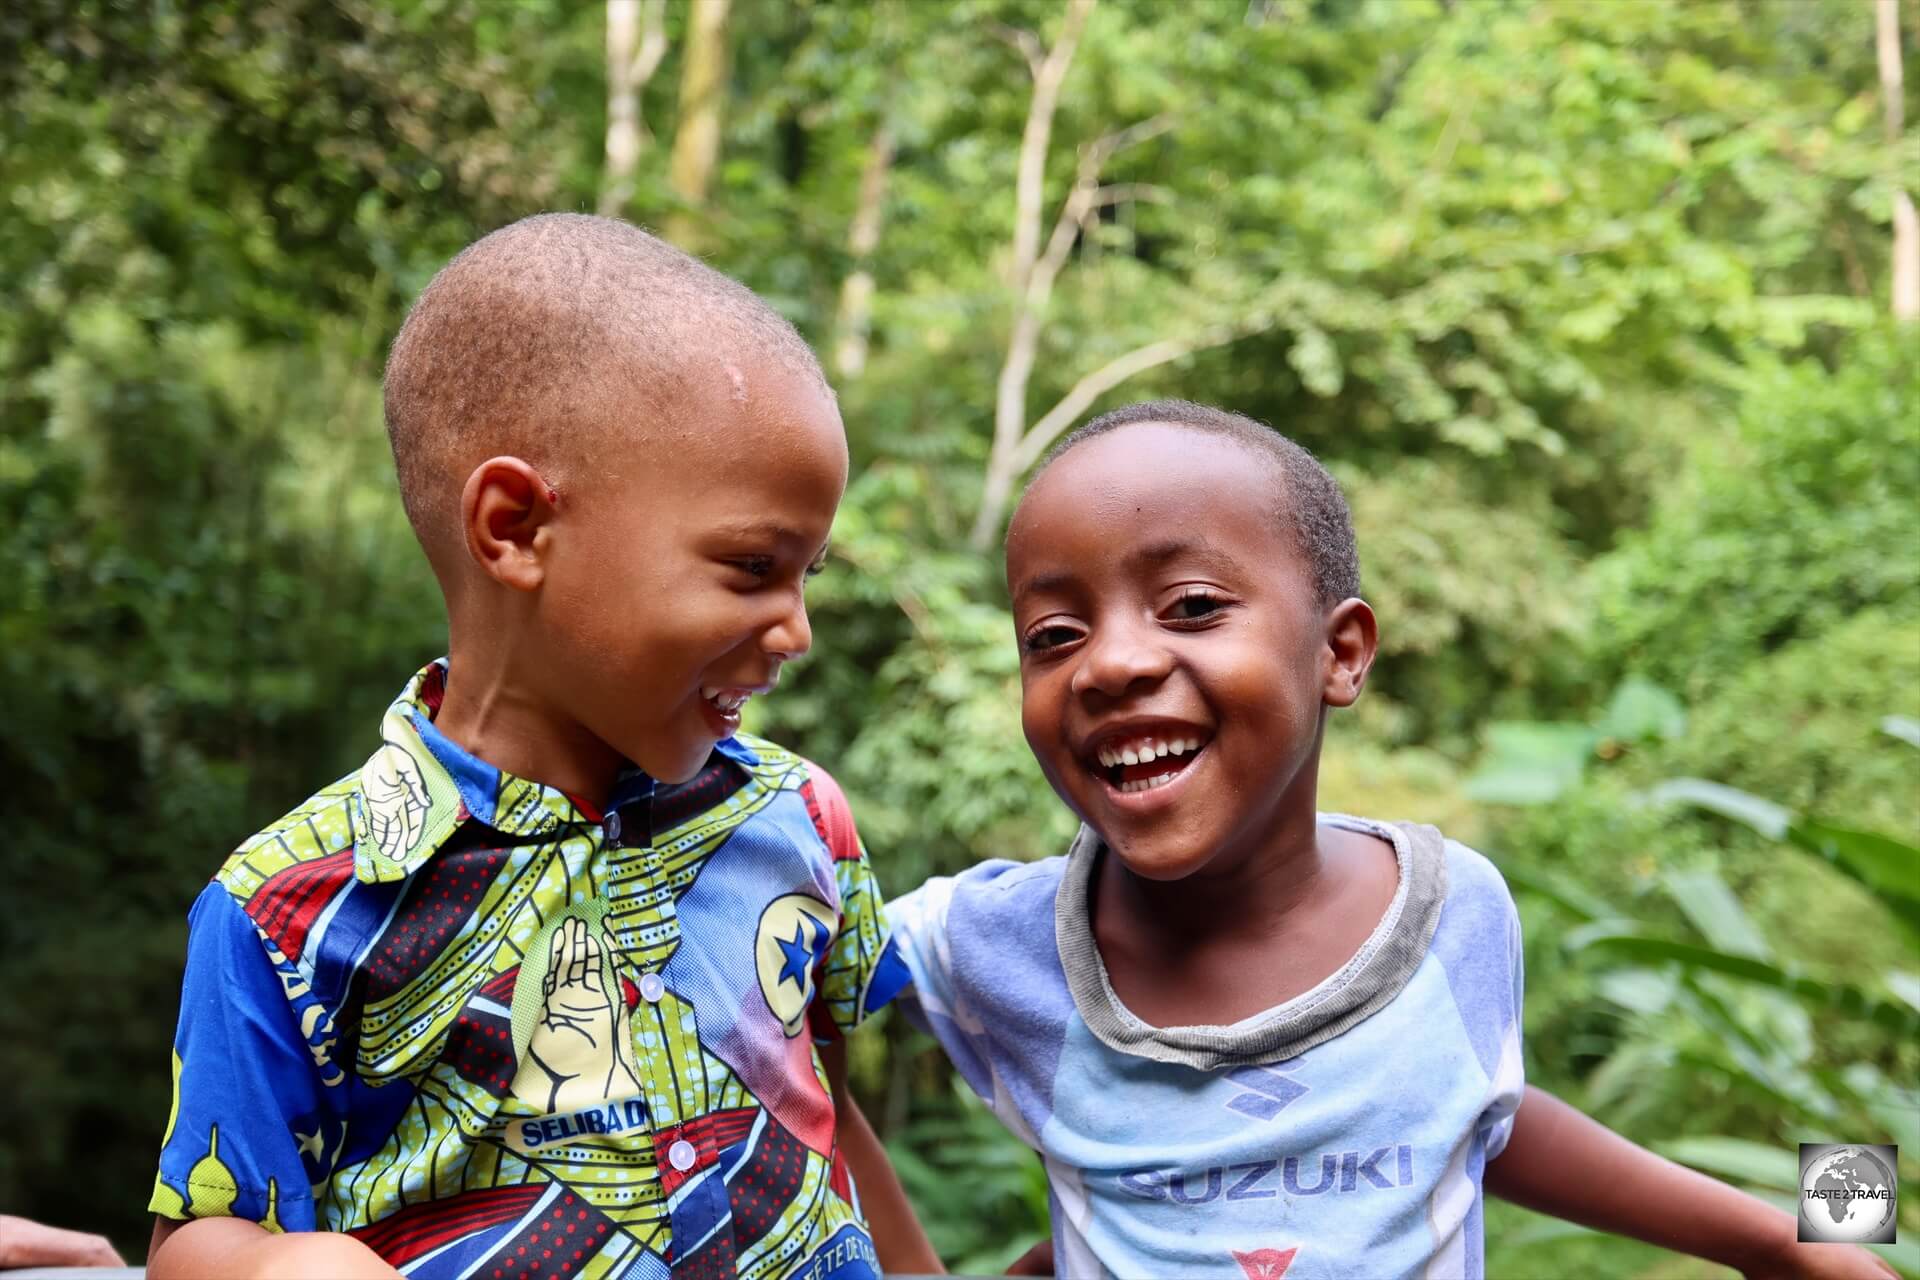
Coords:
1798,519
958,1144
1535,762
1731,1007
1576,299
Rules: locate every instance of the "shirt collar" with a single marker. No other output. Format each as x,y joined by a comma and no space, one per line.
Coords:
421,786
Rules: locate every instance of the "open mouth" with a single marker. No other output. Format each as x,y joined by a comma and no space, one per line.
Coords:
723,703
726,701
1147,761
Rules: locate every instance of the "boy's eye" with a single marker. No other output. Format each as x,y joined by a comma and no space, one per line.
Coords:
1195,604
756,566
1051,636
817,568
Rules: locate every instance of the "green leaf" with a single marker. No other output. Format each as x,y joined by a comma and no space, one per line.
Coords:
1769,819
1889,867
1531,762
1849,999
1736,1159
1566,895
1642,711
1711,908
1905,728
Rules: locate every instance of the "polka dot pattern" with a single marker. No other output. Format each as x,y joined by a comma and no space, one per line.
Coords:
443,896
766,1184
554,1245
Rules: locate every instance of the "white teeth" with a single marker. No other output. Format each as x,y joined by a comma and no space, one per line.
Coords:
1148,784
725,700
1144,751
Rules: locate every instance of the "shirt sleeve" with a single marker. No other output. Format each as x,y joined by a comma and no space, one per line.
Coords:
932,1001
241,1075
862,970
1509,1078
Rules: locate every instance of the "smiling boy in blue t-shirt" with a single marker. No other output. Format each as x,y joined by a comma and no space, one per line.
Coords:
1249,1039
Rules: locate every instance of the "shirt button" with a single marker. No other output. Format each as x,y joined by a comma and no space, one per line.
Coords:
681,1155
652,988
613,829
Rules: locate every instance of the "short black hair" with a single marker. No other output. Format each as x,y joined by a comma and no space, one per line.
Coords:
537,335
1310,498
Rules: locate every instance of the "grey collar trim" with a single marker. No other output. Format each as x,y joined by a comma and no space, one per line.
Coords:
1384,964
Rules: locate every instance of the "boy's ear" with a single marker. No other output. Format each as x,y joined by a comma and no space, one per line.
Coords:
1353,636
506,513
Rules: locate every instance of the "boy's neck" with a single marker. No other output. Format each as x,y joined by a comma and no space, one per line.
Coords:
500,719
1253,929
1250,891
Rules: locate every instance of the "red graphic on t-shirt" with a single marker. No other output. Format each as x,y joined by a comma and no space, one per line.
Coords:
1265,1264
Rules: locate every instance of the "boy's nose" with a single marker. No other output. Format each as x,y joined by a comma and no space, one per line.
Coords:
791,636
1113,662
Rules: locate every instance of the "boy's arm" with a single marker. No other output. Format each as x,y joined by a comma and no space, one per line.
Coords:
897,1235
26,1243
1560,1162
235,1249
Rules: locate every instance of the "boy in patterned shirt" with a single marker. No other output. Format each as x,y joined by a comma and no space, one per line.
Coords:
537,991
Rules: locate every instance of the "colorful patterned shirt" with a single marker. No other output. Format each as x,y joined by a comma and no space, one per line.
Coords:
494,1033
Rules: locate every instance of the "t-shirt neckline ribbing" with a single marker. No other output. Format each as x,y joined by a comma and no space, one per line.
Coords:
1371,977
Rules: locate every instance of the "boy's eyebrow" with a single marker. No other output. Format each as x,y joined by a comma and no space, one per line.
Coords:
1198,551
1170,549
771,530
1153,555
1042,582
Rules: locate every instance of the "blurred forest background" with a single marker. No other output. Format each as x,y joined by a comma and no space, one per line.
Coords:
1590,305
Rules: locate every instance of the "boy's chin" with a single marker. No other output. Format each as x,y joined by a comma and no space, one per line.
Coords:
1160,860
671,763
1167,853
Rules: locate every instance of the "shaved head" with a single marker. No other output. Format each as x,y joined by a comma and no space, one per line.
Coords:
562,339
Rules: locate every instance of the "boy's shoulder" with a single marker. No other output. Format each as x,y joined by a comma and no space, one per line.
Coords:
1471,880
310,843
778,769
992,892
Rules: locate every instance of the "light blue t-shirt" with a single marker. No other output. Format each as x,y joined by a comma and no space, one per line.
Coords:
1342,1134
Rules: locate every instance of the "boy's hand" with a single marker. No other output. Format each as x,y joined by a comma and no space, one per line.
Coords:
1795,1261
579,1055
1037,1261
26,1243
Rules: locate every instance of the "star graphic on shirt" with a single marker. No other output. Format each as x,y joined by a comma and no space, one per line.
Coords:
799,955
312,1144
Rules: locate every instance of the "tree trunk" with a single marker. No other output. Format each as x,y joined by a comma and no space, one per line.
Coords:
636,42
855,321
703,103
1010,397
1906,225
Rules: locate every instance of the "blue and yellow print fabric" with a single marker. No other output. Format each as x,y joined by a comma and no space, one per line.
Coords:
495,1033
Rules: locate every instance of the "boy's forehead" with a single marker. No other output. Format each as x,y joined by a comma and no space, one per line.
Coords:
1145,484
730,409
749,446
